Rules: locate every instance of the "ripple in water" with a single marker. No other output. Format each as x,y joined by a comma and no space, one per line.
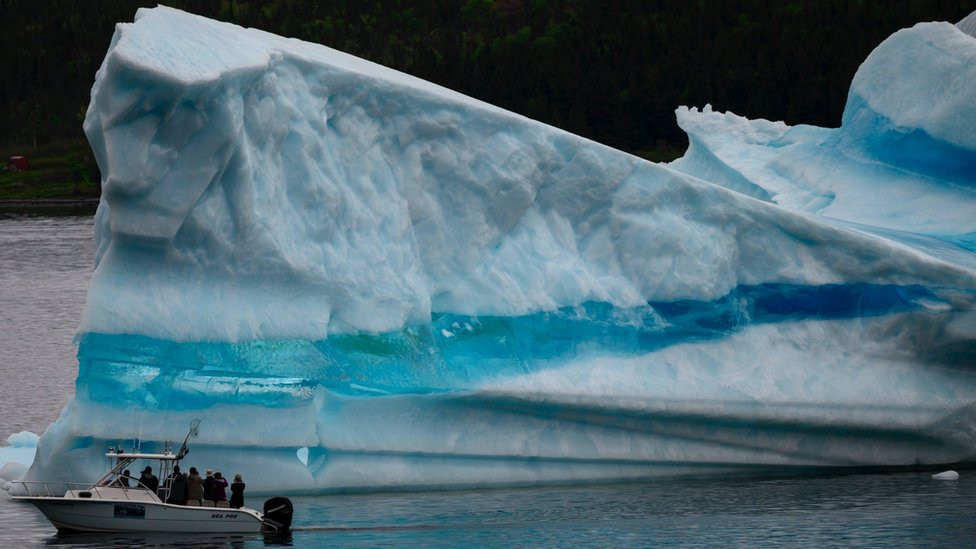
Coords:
45,265
904,509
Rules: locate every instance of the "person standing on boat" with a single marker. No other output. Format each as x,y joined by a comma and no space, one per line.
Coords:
208,486
194,486
237,492
123,479
177,487
219,487
149,480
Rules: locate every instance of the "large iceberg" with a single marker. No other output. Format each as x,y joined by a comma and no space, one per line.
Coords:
357,279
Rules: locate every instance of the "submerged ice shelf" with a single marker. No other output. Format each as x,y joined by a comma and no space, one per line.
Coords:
319,256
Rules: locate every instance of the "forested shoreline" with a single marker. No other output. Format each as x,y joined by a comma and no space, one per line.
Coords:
613,71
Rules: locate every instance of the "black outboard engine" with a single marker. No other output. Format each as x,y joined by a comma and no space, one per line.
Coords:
277,514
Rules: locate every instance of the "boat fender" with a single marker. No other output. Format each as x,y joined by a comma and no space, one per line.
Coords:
278,512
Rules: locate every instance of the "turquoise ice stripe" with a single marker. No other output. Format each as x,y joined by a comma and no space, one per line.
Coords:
911,149
965,241
451,353
771,302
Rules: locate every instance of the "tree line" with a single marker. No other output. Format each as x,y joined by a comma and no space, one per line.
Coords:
610,70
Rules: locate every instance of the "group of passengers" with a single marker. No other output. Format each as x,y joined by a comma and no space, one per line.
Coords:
184,488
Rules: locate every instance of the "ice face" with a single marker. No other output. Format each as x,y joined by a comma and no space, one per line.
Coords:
358,280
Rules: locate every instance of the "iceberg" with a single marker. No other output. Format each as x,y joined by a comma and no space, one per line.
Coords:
359,280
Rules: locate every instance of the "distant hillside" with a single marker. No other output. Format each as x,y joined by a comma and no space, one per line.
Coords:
613,71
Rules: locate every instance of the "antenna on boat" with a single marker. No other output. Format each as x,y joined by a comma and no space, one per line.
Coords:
194,431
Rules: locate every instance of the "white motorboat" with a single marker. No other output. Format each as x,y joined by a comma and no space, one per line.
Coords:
107,505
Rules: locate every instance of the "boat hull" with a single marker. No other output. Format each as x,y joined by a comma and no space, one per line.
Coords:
130,516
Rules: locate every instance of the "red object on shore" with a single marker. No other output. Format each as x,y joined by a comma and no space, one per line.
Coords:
17,163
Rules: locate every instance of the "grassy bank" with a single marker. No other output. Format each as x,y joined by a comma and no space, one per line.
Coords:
57,172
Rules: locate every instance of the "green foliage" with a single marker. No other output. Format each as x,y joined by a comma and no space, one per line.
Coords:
612,71
476,11
63,170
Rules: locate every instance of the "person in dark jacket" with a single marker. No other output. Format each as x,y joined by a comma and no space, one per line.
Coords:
123,479
237,492
208,486
177,487
219,487
149,480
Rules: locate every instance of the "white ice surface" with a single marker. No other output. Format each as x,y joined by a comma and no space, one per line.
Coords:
284,189
17,455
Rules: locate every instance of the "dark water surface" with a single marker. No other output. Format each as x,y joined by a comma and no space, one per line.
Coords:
45,264
879,510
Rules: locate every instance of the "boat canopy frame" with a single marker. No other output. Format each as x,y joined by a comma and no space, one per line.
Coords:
167,461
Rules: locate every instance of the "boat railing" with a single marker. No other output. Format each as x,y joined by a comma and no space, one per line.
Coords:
40,488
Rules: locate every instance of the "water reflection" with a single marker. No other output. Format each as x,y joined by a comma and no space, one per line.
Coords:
903,509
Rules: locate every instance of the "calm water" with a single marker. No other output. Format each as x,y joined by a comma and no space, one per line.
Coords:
45,264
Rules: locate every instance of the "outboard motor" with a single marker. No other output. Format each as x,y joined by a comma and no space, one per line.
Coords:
277,513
